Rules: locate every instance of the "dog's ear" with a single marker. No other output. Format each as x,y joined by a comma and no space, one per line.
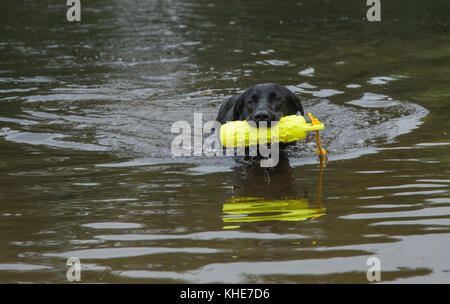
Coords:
297,102
238,105
230,109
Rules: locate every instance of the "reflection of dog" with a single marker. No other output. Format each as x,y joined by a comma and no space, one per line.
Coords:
267,195
263,102
250,180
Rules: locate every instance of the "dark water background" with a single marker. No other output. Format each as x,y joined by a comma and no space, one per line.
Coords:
86,111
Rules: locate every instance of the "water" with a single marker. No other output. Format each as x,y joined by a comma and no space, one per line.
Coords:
85,130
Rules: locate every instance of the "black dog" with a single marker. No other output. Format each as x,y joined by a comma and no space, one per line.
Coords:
263,102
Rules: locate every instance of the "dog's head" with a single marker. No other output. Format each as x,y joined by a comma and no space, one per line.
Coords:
266,103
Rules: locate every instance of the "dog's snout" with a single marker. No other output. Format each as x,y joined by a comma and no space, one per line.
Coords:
262,116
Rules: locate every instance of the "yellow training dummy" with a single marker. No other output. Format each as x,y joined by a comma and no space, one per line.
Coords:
290,128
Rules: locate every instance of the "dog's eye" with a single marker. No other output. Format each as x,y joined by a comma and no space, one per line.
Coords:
276,98
251,102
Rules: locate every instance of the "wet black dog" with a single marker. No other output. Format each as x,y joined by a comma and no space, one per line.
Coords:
263,102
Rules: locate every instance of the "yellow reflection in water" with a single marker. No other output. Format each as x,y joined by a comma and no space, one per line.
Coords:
238,210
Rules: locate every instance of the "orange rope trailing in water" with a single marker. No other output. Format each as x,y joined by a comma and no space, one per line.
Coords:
319,189
322,152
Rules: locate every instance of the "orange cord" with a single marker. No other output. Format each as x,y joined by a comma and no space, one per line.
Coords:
322,152
315,121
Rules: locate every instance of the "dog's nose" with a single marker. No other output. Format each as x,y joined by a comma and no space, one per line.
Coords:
262,116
